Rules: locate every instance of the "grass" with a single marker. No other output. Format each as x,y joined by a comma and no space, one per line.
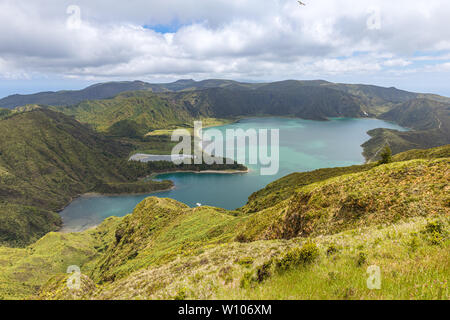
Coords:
405,274
217,272
24,270
170,229
384,194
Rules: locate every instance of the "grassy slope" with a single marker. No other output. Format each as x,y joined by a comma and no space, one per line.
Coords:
145,111
25,270
166,250
285,187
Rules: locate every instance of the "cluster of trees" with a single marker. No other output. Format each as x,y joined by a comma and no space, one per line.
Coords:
136,169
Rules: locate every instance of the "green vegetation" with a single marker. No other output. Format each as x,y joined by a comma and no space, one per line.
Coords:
429,119
24,270
322,237
4,113
47,159
386,155
308,235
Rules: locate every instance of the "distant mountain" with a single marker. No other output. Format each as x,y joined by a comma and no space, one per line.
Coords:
106,90
150,111
370,96
66,97
420,114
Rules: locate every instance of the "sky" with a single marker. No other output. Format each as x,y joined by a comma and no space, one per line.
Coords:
57,44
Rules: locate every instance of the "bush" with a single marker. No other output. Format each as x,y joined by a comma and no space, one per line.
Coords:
247,280
298,257
362,258
263,272
435,226
435,232
332,249
386,155
241,238
413,244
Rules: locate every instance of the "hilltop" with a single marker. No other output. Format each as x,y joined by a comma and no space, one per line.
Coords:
326,228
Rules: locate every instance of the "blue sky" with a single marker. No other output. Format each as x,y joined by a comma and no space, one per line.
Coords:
54,45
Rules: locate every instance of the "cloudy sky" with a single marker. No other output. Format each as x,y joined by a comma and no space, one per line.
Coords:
59,44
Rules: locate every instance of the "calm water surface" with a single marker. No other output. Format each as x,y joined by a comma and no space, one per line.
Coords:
304,145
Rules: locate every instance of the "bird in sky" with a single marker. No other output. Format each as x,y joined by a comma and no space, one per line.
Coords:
301,3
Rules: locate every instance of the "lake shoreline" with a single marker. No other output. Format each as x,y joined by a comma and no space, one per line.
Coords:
98,194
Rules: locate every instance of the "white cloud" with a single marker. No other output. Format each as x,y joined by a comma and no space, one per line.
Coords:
253,39
397,63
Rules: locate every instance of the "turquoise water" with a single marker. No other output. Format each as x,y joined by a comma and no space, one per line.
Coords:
304,145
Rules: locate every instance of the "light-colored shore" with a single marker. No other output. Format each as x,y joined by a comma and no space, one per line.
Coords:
200,172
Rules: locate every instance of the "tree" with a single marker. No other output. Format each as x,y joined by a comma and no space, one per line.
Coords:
386,155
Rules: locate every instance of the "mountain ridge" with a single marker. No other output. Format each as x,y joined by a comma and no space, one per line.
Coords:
111,89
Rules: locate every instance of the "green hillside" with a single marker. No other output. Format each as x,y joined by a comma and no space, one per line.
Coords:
429,121
329,228
47,159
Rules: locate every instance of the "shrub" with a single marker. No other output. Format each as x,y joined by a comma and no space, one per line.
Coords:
435,232
241,238
435,226
247,280
386,155
362,258
263,272
298,257
332,249
413,244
